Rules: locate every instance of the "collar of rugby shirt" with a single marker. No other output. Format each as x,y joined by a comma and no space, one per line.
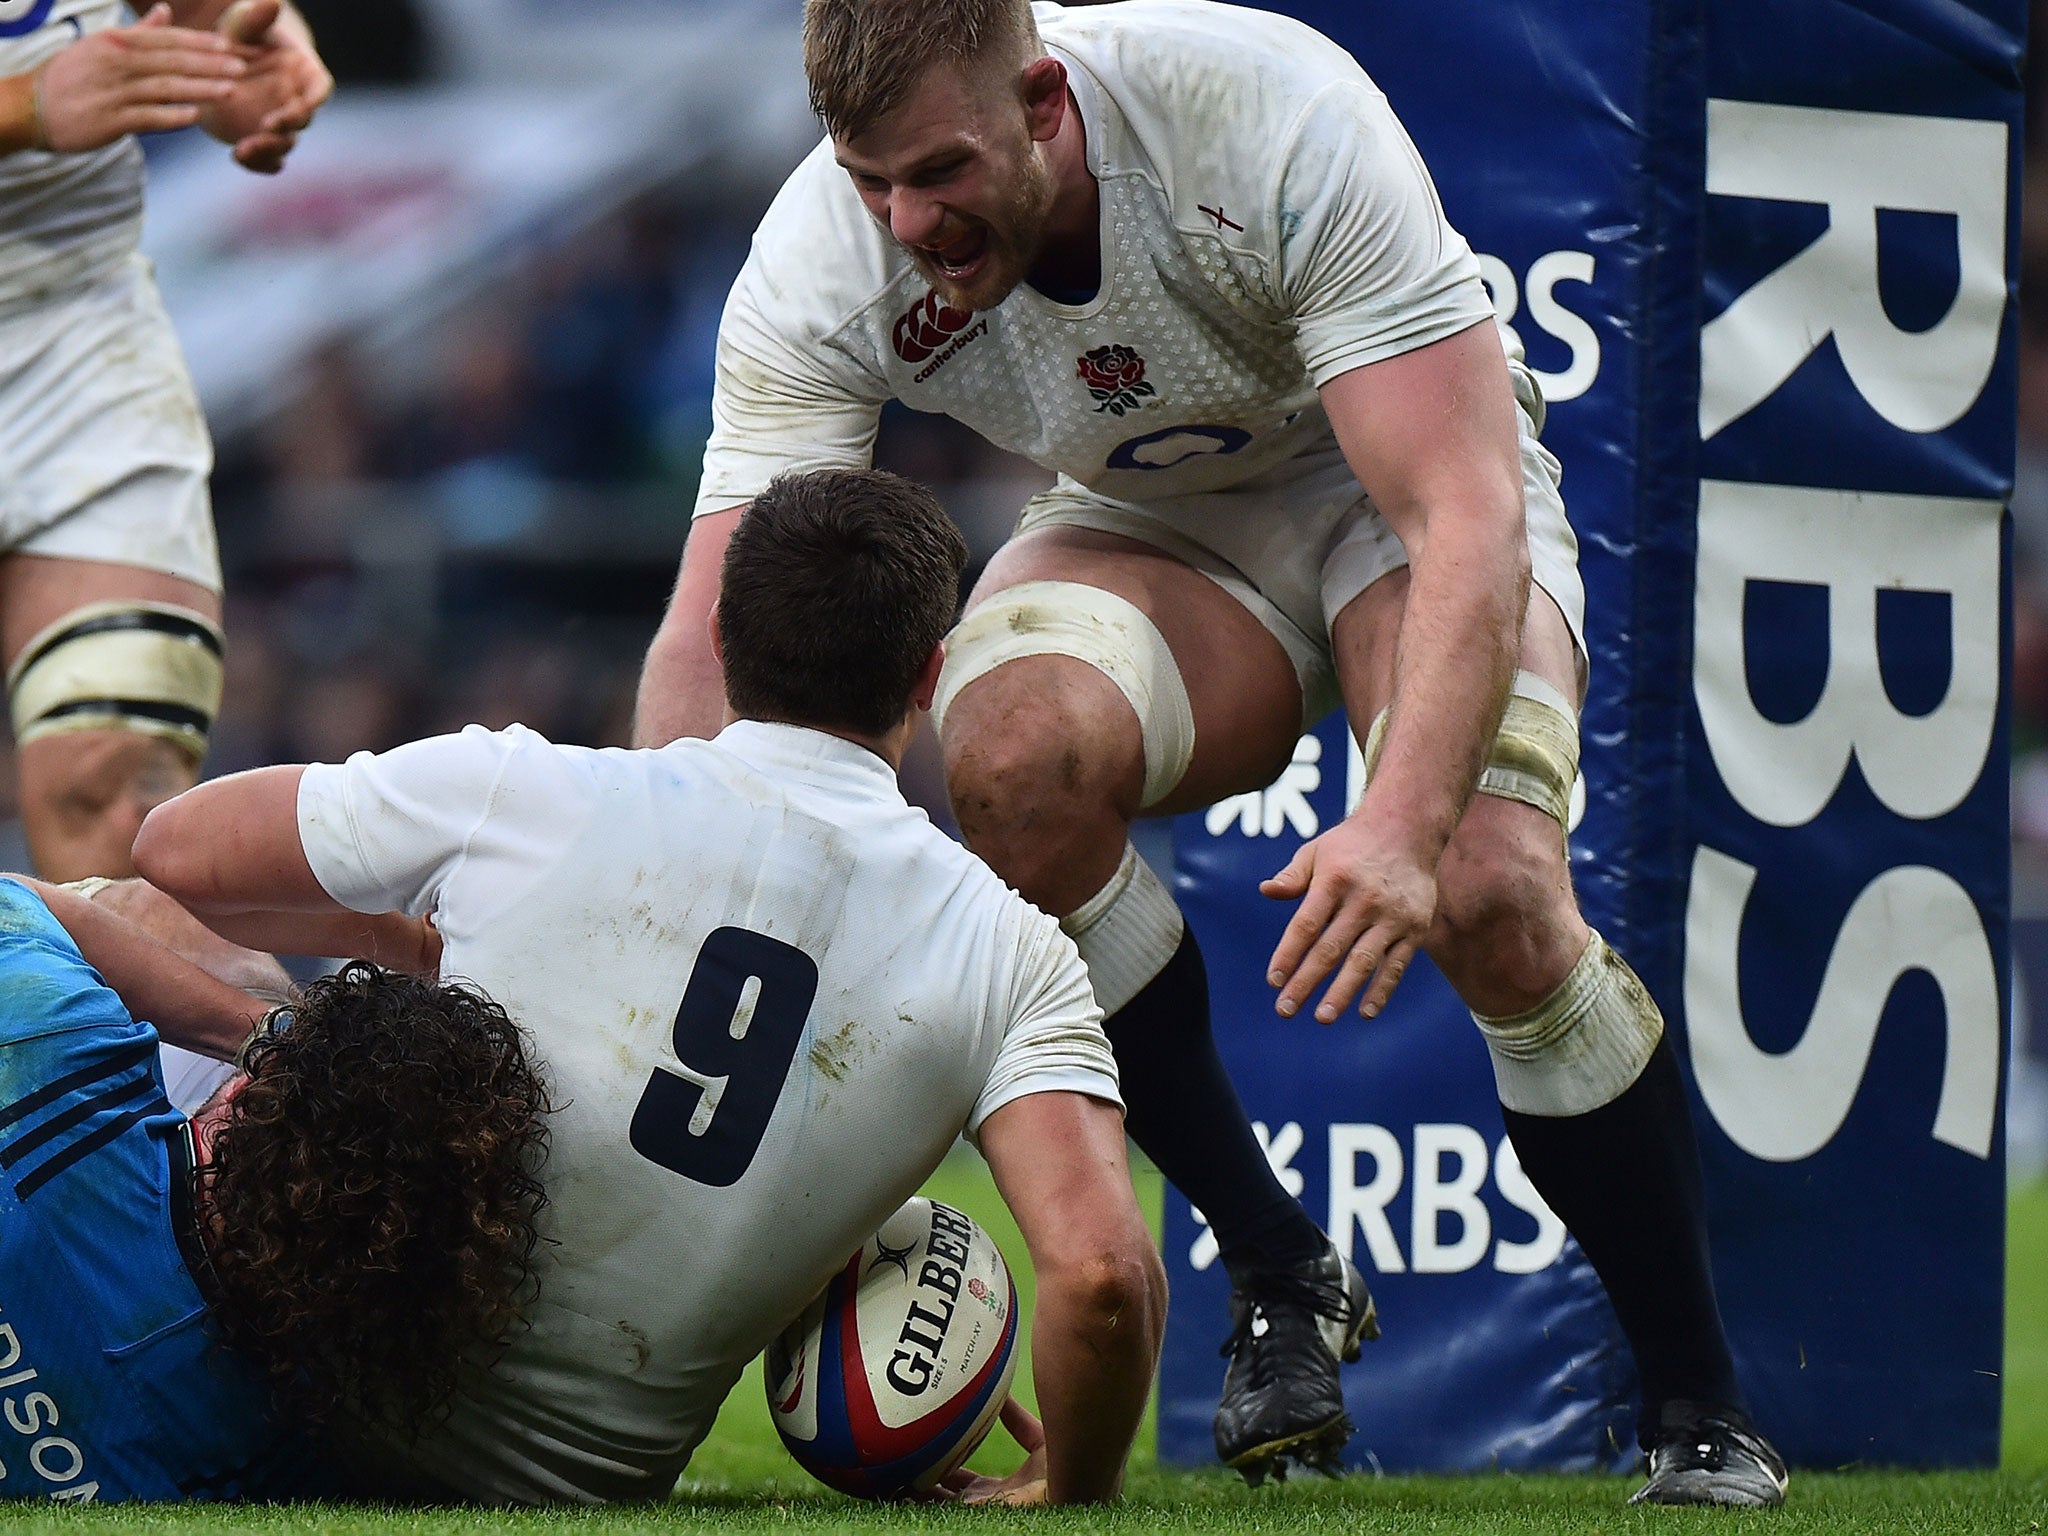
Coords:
806,750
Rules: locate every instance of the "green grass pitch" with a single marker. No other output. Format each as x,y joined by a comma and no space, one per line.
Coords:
742,1482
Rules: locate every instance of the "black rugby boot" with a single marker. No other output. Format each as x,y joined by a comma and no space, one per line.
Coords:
1293,1326
1706,1455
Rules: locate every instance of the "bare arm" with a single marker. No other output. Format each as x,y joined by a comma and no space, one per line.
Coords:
252,971
229,851
1058,1159
682,688
189,1007
147,78
1432,436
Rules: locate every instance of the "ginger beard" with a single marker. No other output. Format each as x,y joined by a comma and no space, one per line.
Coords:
976,263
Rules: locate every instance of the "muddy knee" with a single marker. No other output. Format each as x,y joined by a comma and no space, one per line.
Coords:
1063,715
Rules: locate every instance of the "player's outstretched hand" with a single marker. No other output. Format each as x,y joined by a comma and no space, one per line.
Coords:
147,78
284,86
1365,908
1026,1485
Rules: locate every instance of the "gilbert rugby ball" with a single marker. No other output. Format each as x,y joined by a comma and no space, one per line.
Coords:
890,1379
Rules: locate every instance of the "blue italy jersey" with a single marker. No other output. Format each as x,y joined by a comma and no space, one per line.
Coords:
111,1387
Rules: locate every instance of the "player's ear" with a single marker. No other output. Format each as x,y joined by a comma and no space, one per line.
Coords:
717,640
1045,97
926,687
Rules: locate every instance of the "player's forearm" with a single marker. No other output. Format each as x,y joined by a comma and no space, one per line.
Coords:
1095,1346
1460,637
682,686
682,689
163,919
20,128
189,1007
389,939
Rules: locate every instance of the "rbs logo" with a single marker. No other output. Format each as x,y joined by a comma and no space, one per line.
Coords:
1852,546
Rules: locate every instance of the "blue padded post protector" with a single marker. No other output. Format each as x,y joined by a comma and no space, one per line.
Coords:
1795,737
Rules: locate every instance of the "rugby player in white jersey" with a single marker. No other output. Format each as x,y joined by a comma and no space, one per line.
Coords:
109,577
771,995
1184,255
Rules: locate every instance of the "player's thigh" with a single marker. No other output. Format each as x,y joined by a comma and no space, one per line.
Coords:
37,591
1365,640
1241,686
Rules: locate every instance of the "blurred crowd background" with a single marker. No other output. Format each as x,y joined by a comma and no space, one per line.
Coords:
458,364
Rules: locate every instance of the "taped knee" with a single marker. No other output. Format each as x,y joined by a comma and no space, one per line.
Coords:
1535,754
1582,1046
149,668
1067,618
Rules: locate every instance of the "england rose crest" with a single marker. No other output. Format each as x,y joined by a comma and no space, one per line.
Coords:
1115,376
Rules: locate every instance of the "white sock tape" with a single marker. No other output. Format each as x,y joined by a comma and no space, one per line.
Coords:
1126,931
1582,1046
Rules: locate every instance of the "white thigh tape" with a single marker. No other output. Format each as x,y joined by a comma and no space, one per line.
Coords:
147,667
1535,754
1126,931
1066,618
1580,1047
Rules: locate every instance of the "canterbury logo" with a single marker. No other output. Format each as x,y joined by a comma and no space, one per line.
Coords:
925,327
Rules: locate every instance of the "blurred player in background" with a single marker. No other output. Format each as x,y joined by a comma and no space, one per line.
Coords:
1184,255
110,580
771,994
189,1301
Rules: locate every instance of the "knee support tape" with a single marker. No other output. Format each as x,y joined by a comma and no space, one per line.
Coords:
1582,1046
1066,618
146,667
1126,931
1535,754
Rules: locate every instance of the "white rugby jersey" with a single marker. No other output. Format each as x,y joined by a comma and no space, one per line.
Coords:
64,219
1266,225
769,994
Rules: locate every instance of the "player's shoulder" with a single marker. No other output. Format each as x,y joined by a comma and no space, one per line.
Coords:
48,991
1186,73
818,260
984,904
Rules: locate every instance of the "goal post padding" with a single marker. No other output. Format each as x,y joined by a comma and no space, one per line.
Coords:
1762,255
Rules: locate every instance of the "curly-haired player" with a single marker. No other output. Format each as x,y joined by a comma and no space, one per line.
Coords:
333,1235
368,1188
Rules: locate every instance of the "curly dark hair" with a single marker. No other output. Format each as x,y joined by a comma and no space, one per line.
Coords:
369,1200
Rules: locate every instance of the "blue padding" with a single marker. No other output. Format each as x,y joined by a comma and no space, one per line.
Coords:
1555,128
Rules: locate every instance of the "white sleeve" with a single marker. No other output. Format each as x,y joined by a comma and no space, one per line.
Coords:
384,831
1055,1042
1369,266
780,401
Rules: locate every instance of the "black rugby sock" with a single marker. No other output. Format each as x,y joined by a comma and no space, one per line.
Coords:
1181,1109
1625,1179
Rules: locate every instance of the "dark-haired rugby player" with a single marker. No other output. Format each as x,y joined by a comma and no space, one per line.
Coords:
771,995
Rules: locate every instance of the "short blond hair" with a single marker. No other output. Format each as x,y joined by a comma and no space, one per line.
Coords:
863,57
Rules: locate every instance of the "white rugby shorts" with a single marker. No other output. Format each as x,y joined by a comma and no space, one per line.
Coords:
1335,544
103,452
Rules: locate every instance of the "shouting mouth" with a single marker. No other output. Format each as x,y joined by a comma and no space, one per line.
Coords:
958,260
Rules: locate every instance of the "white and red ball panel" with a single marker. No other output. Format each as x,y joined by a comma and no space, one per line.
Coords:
891,1378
